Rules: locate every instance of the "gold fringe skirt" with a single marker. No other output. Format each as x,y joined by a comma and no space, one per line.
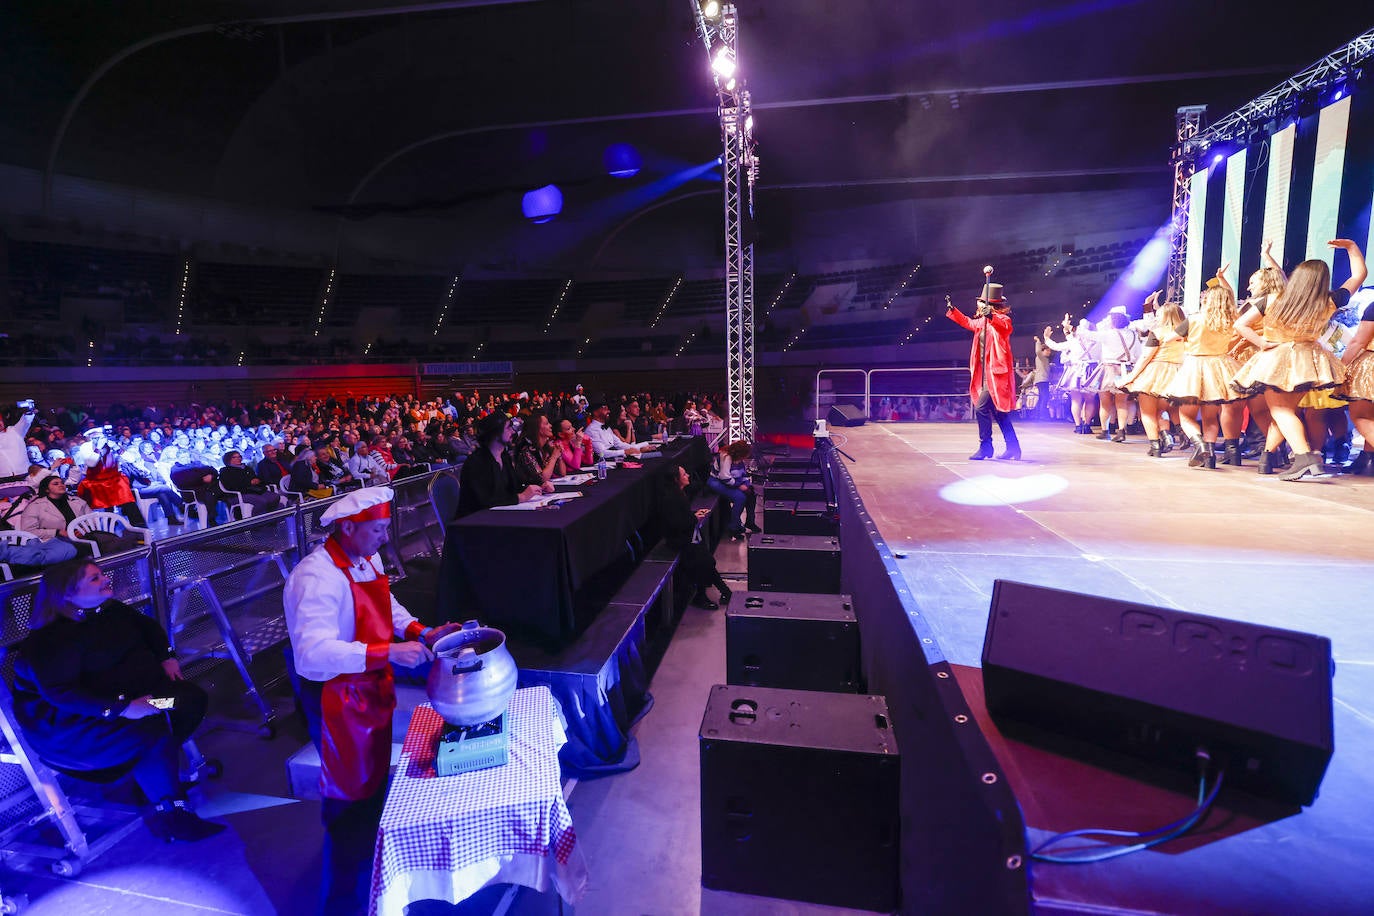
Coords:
1154,379
1291,366
1359,380
1204,379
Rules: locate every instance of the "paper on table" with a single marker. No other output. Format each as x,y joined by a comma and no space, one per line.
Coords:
539,502
574,480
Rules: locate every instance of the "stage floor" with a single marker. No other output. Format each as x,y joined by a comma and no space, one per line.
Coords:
1102,518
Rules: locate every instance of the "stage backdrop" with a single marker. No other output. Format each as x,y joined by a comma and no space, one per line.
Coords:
1303,182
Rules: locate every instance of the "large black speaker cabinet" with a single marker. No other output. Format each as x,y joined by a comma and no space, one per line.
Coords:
793,641
1159,684
802,490
794,563
845,415
787,516
799,796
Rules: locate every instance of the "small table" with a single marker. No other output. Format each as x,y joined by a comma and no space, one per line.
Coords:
447,837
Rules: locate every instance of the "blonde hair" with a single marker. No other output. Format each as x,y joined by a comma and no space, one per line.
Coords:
1271,281
1169,316
1218,309
1306,297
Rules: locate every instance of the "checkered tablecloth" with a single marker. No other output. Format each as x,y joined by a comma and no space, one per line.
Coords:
446,837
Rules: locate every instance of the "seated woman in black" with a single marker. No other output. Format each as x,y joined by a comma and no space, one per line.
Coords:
488,477
88,685
680,532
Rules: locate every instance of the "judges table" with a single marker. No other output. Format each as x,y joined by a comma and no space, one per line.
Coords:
447,837
523,570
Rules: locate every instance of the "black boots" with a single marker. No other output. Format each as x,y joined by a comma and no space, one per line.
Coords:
1233,453
1158,447
1362,465
173,822
1119,436
703,601
1305,465
1012,452
1268,463
1199,456
984,451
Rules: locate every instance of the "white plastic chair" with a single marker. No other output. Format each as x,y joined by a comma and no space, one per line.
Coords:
108,522
291,496
16,538
233,501
146,505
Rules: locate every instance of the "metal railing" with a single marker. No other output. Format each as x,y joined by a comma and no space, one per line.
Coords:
939,393
218,591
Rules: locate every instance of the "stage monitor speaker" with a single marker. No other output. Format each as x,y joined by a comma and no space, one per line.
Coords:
787,516
793,641
845,415
1159,684
799,796
794,563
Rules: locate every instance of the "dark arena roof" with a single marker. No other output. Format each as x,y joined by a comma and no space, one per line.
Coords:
443,113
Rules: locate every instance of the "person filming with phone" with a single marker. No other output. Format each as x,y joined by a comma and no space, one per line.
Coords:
98,693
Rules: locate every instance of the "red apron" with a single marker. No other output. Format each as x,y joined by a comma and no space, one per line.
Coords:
355,709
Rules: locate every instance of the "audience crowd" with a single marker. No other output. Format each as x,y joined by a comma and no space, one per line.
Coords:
59,463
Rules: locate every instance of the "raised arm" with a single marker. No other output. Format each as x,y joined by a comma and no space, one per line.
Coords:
1053,344
953,314
1358,270
1270,261
1221,278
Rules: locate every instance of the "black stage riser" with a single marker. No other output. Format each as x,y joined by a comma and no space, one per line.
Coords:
785,516
807,491
794,563
1157,684
799,796
812,475
793,641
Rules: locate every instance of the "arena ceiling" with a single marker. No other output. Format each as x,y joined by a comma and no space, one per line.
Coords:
874,98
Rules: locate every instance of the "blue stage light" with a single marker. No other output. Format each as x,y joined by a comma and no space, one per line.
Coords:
622,160
1216,160
542,204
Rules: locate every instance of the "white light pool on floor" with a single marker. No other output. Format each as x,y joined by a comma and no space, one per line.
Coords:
992,490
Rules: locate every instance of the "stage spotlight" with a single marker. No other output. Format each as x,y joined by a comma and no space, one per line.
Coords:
542,204
622,160
710,9
1216,160
748,124
723,62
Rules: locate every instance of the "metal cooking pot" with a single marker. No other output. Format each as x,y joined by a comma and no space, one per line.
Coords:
473,675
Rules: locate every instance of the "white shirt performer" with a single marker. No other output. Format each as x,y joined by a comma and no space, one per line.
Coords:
343,619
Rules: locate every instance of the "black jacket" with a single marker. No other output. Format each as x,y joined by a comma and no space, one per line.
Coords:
484,483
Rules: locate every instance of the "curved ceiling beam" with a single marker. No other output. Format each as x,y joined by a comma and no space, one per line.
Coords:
644,211
1008,89
128,51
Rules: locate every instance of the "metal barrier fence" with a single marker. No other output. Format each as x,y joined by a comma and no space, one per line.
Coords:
218,591
904,395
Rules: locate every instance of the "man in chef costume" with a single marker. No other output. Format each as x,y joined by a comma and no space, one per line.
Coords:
347,630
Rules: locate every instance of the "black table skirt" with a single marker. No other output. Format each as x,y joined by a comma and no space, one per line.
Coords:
525,571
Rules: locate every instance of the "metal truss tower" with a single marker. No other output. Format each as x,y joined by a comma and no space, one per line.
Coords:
720,33
1260,116
1183,158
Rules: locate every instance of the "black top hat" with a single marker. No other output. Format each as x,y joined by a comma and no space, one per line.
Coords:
992,294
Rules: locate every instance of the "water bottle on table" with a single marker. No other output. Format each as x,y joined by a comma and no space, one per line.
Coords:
600,467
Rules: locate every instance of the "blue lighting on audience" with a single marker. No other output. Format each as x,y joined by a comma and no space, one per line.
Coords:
542,204
622,160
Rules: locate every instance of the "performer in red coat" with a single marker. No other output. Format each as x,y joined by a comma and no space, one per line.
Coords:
992,387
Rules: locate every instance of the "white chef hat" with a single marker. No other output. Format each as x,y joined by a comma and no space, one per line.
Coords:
363,505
